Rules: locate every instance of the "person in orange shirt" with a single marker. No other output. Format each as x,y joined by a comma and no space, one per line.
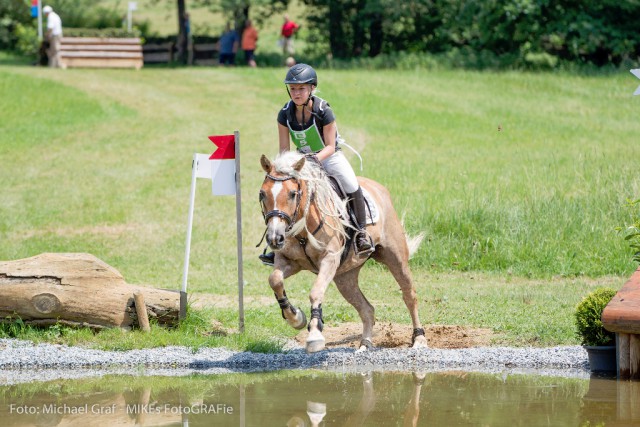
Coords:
249,42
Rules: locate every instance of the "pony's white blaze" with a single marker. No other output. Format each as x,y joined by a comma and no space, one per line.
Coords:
275,190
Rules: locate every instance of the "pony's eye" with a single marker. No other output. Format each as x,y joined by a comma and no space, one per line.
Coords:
293,194
261,196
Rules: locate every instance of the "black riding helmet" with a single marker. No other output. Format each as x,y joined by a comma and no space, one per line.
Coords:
301,74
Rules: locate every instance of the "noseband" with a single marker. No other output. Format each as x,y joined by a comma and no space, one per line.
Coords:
282,214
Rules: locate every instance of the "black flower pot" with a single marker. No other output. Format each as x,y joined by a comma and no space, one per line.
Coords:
602,358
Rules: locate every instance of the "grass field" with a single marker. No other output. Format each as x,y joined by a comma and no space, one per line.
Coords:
517,179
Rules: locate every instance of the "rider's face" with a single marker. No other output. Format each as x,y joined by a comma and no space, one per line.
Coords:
300,93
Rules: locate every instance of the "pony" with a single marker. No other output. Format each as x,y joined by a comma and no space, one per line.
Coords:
307,227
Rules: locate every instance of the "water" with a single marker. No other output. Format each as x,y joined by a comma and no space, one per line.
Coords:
310,398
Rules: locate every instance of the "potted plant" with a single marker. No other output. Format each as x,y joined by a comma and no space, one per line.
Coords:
599,343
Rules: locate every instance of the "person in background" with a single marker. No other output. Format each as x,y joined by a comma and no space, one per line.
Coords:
249,42
53,35
228,46
289,28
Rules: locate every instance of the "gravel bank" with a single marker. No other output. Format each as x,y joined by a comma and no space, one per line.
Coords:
24,361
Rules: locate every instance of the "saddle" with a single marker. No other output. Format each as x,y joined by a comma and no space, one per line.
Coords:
351,217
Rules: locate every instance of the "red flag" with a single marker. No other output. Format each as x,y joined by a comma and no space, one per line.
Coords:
226,147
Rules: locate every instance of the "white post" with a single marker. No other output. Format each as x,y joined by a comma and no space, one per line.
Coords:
192,197
132,6
239,234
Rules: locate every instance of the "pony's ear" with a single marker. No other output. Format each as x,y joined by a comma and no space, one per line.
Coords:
299,164
266,163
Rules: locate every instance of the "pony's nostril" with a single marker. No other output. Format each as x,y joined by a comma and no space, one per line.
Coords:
280,240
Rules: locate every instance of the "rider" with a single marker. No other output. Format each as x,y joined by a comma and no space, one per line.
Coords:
310,123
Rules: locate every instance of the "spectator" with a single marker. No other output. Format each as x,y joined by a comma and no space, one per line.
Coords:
53,35
249,42
289,28
228,46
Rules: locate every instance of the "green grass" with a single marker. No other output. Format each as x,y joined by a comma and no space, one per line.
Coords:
520,222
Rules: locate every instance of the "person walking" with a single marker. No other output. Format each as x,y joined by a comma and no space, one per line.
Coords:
53,35
289,28
310,123
249,42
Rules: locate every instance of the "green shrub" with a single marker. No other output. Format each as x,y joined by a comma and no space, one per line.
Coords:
588,317
101,32
632,231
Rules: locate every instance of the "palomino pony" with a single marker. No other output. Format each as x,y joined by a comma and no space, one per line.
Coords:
307,229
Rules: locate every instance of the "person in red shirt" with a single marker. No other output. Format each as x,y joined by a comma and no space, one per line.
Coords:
289,28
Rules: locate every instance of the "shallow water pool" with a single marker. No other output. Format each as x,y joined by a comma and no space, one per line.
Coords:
314,398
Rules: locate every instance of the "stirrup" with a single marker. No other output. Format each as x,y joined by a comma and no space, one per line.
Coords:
268,259
357,249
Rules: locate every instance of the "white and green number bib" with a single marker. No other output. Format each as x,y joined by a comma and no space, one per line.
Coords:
308,140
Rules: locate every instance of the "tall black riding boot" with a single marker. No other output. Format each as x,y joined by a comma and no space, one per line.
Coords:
362,239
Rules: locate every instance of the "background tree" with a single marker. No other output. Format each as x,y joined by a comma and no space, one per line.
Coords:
510,31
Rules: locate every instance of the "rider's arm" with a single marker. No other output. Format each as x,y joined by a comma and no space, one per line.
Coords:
329,133
283,138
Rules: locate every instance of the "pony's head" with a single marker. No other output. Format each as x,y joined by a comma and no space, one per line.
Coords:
290,186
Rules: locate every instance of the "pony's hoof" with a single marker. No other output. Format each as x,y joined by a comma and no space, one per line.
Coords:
315,342
300,320
420,342
365,345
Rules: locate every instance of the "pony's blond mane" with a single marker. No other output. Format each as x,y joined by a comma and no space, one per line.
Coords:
327,201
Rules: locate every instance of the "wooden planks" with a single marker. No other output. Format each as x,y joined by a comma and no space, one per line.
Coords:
100,52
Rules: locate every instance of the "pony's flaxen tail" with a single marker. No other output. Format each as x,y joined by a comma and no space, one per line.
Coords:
413,242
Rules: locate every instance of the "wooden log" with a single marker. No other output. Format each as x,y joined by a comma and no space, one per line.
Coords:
622,314
624,368
634,357
79,290
141,311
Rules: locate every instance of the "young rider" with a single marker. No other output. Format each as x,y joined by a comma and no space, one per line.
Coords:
310,123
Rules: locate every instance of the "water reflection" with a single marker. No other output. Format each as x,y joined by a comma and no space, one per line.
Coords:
318,398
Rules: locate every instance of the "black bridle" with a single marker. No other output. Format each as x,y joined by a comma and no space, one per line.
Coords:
290,220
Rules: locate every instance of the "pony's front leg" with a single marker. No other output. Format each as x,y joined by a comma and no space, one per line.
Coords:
327,270
294,316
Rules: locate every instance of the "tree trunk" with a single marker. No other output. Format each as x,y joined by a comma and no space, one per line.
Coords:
77,290
182,33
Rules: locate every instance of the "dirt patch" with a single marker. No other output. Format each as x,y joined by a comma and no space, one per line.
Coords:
393,335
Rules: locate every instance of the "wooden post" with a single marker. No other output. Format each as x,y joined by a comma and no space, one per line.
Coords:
634,400
634,356
624,400
624,369
141,311
143,404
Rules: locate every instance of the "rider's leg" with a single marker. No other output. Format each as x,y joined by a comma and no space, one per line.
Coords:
363,241
338,166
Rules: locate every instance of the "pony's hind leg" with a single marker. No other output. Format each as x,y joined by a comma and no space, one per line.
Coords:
398,263
294,316
347,284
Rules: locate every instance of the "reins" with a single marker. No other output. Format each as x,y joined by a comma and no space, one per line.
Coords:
290,219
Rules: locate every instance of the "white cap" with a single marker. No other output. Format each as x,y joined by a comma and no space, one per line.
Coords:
47,9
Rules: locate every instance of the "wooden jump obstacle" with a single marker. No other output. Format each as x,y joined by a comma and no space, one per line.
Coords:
100,52
622,316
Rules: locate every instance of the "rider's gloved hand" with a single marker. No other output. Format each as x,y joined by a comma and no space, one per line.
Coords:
313,158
